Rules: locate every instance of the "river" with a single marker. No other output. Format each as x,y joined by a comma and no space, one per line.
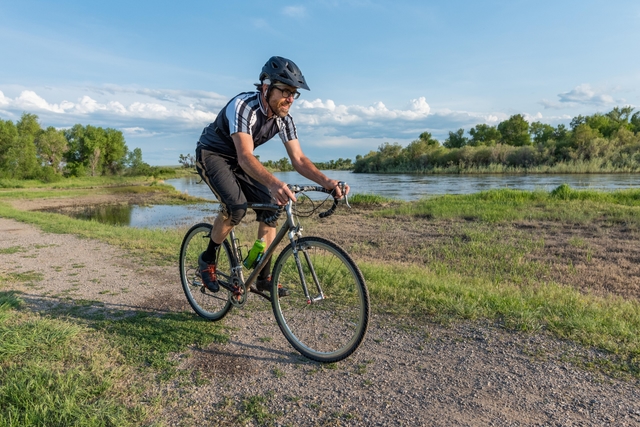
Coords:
413,187
397,186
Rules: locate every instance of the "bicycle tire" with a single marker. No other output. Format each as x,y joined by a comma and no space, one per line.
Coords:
209,305
331,329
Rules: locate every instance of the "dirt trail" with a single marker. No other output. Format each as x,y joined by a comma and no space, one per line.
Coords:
405,374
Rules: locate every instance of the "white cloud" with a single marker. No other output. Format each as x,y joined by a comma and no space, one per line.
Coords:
295,11
121,107
3,99
30,100
583,94
320,112
138,132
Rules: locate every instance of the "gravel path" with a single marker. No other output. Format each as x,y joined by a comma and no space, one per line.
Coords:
405,374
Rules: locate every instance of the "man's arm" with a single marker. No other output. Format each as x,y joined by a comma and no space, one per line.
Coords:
306,168
248,162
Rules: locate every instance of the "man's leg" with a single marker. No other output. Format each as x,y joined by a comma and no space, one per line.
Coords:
221,228
219,174
267,233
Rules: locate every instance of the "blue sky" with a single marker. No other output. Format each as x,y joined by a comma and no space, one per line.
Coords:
379,71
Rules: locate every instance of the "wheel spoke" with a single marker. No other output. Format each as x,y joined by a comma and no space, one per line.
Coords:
330,329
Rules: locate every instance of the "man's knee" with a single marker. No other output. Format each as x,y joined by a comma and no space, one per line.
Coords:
236,213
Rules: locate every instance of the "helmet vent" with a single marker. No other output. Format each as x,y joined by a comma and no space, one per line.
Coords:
285,71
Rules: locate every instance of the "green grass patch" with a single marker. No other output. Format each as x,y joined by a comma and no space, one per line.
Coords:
80,187
369,200
77,368
25,277
147,340
55,373
561,204
11,250
75,182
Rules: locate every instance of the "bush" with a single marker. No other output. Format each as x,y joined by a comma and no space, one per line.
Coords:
49,174
562,192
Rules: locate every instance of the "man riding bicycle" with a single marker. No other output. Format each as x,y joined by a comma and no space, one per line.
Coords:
225,160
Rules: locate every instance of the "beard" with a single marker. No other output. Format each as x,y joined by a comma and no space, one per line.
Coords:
281,109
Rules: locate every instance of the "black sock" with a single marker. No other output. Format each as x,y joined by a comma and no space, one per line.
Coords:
211,254
266,271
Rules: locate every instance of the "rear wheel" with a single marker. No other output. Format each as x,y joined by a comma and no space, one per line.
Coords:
331,328
210,305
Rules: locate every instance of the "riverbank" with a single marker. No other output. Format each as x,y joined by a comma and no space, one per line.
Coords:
455,309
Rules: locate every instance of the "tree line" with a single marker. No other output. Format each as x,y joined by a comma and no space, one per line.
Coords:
27,151
284,165
600,142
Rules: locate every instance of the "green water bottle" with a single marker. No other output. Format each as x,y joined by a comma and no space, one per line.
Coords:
255,254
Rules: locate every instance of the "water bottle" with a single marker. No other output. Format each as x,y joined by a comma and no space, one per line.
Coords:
255,253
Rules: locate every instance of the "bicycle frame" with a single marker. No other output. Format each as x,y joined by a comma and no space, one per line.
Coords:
291,229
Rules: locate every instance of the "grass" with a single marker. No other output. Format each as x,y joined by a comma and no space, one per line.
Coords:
57,373
78,367
369,200
478,274
562,204
147,340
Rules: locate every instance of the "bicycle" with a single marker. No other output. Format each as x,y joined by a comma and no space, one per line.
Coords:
326,315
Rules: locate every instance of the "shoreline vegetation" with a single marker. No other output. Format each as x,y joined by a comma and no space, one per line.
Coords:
485,277
601,143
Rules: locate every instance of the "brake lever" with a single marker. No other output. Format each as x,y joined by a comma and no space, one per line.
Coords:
342,185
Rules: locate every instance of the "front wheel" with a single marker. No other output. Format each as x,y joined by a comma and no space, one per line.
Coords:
330,325
210,305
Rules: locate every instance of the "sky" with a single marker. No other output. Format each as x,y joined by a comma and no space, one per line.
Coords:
379,71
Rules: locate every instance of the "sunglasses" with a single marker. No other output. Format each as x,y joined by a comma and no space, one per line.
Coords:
286,93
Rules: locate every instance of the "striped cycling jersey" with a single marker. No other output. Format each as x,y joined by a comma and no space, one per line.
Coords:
245,113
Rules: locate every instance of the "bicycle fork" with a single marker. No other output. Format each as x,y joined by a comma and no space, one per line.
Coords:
303,281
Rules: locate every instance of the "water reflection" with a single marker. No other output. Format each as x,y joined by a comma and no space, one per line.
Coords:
160,216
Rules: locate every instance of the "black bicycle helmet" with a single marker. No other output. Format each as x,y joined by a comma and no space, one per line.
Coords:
283,70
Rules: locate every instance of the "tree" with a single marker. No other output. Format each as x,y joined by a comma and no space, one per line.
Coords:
389,151
51,146
577,121
20,157
188,161
135,165
621,116
284,165
561,133
428,139
114,151
541,132
101,151
515,131
8,135
456,139
583,137
635,122
484,134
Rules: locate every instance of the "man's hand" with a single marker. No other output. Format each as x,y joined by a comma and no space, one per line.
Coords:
337,189
281,193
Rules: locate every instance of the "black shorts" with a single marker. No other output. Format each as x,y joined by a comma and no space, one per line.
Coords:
232,186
